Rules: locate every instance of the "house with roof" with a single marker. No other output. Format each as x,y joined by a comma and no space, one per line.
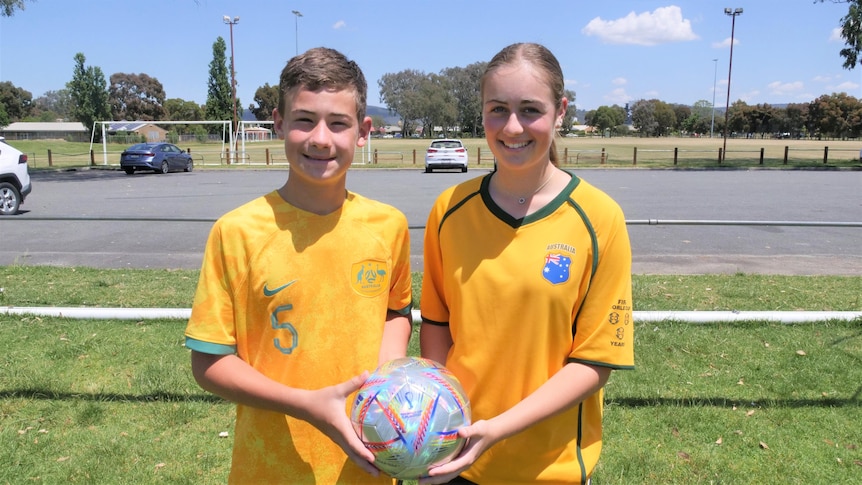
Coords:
148,131
31,130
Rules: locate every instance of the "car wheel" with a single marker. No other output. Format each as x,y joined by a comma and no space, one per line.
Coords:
190,165
129,170
463,169
428,170
164,168
10,199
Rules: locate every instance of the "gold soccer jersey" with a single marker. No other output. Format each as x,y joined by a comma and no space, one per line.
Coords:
522,297
303,299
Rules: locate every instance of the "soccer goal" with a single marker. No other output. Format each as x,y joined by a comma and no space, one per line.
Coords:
227,138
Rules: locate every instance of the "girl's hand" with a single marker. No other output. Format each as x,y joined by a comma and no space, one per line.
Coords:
480,437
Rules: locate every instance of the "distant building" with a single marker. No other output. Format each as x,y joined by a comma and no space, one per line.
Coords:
27,130
149,131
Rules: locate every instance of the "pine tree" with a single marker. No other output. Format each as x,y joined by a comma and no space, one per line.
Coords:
219,96
88,91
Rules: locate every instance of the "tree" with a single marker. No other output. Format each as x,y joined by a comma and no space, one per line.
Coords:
219,95
177,109
266,98
681,112
436,106
851,32
88,91
837,115
7,7
571,112
699,120
794,119
606,117
136,97
401,92
653,117
16,101
738,119
464,85
53,105
762,119
4,118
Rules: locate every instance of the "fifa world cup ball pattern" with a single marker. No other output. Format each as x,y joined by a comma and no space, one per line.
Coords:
408,413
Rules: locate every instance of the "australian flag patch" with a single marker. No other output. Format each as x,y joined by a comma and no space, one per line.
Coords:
556,268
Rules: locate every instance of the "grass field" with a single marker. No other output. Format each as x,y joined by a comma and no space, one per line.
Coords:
110,401
574,152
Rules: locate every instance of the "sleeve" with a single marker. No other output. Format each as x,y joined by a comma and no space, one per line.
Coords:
211,328
433,304
604,330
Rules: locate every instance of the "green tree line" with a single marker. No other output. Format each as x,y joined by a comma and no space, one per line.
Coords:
425,101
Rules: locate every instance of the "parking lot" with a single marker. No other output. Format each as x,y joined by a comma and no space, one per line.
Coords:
680,222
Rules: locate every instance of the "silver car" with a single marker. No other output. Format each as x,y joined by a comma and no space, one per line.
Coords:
446,153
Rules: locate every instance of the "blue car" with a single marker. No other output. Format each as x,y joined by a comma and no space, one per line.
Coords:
159,157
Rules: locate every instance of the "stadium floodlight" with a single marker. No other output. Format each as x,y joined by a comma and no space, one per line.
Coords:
714,78
732,14
298,14
231,23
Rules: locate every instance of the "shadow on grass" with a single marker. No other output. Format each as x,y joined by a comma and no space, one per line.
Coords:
723,402
630,402
49,395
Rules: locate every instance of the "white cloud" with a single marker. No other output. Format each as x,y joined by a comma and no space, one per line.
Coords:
845,87
785,89
339,25
663,25
835,35
618,96
725,43
620,81
748,97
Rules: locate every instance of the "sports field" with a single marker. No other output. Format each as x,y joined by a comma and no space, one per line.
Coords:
113,401
581,151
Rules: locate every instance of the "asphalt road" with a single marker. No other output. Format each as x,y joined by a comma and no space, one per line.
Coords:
104,218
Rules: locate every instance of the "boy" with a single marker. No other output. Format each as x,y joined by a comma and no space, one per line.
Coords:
303,290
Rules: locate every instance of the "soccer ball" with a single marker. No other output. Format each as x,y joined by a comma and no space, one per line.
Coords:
408,413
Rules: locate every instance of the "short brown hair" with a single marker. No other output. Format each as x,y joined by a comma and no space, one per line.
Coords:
323,67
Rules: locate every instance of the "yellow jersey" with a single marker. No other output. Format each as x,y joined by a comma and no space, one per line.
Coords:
521,298
303,299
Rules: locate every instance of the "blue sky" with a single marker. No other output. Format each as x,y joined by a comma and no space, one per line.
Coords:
612,52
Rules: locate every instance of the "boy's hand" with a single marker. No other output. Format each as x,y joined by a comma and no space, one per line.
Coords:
326,413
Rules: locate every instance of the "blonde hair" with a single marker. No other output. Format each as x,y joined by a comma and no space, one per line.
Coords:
541,58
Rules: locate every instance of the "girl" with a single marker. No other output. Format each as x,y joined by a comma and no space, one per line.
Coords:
526,294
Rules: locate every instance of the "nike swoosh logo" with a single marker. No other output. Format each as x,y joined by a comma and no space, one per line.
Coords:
268,292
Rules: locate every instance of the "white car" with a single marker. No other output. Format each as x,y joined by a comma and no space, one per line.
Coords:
446,153
14,178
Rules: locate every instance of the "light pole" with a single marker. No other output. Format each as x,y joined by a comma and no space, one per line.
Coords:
231,23
733,13
296,25
714,77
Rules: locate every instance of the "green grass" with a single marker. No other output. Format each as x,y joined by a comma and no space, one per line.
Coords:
113,401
